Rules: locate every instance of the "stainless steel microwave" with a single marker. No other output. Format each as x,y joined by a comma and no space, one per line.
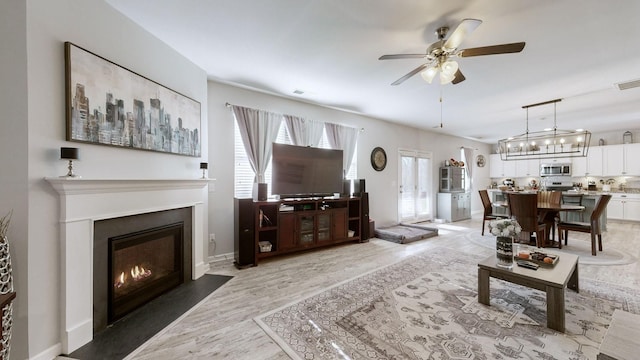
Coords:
559,169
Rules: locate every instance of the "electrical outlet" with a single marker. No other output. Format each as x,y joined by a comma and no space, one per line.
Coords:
212,237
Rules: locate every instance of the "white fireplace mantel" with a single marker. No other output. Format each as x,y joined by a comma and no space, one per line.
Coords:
84,201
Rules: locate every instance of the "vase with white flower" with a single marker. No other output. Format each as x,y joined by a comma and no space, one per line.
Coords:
504,230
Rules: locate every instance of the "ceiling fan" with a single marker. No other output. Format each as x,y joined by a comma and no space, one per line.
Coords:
439,54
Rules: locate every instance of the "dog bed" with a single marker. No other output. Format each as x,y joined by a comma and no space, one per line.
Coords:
405,233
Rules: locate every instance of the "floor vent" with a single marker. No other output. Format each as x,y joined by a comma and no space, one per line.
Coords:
628,85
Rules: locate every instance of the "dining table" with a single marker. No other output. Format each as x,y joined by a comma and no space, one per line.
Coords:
548,210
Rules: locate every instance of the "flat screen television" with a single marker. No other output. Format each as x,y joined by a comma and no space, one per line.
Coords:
299,171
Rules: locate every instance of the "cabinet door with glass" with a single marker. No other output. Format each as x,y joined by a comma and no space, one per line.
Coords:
306,230
324,227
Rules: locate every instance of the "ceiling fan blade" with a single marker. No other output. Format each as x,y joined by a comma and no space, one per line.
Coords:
465,28
458,77
413,72
402,56
493,50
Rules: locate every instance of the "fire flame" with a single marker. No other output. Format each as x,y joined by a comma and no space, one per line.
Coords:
137,273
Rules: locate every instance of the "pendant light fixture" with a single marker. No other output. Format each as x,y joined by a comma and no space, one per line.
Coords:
550,143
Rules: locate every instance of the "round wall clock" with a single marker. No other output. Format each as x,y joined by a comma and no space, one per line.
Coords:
480,160
378,159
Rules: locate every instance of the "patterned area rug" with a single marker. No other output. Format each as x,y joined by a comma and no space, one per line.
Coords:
426,307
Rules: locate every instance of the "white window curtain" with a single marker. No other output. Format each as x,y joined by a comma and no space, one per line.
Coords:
258,130
303,132
467,154
342,138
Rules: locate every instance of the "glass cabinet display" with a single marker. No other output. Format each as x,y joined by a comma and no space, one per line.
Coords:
306,229
452,179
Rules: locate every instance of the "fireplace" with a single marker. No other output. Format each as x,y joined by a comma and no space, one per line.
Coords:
136,259
85,206
143,266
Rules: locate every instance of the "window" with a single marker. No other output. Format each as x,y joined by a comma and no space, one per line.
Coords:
243,174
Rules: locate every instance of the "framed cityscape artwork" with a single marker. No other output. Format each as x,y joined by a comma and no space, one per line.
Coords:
111,105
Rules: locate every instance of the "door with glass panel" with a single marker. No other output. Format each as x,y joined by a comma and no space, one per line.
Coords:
415,197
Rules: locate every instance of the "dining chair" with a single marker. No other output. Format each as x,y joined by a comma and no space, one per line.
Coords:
553,197
524,208
573,199
549,218
593,226
488,209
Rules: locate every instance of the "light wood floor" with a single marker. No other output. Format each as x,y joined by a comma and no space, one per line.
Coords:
222,326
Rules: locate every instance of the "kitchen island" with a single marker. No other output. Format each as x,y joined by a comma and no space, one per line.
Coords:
589,200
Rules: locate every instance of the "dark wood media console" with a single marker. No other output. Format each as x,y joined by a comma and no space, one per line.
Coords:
270,228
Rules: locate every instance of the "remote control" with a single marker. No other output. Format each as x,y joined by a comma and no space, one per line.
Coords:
528,264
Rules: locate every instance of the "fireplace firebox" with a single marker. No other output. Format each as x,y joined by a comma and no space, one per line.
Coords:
138,258
143,266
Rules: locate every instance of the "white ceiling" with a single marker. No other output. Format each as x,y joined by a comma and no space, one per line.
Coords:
329,49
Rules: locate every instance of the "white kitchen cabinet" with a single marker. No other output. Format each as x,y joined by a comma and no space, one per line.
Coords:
454,206
632,159
579,166
527,168
495,166
615,209
501,169
590,165
624,207
632,209
555,160
613,156
621,159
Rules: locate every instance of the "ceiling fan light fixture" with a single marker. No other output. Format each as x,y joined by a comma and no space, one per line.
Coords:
445,78
438,54
448,71
449,67
429,74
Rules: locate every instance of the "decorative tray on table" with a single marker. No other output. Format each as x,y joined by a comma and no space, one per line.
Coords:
538,257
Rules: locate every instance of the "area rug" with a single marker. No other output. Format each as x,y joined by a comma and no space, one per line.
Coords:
405,233
578,244
426,307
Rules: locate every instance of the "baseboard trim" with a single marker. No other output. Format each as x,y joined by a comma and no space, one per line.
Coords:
220,258
50,353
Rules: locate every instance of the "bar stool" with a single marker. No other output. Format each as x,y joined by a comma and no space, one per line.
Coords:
573,199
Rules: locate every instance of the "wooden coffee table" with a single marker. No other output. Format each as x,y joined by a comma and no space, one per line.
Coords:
551,280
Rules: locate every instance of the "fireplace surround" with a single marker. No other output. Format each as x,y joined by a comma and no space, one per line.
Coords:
83,202
137,258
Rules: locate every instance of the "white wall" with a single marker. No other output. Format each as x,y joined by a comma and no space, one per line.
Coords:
33,129
14,149
382,186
